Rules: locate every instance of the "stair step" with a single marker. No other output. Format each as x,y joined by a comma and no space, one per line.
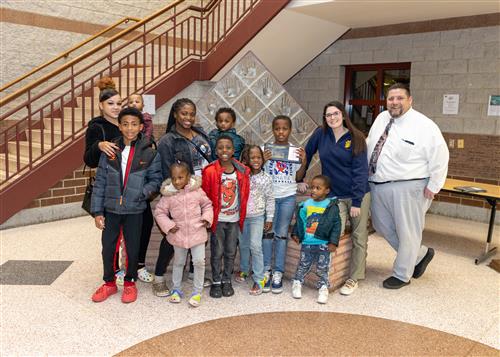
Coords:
67,124
88,103
13,162
79,112
37,136
131,72
24,148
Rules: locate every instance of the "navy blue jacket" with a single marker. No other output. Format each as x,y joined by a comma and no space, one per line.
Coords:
348,173
144,179
329,224
238,142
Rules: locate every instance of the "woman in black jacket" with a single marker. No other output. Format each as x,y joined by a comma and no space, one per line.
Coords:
101,133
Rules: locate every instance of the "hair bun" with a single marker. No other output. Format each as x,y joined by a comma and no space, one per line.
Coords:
106,83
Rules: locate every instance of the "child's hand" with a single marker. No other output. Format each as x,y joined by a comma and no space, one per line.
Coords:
99,222
302,155
268,226
332,247
267,155
206,223
296,239
174,229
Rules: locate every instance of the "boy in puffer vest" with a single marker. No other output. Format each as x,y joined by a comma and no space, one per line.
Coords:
122,186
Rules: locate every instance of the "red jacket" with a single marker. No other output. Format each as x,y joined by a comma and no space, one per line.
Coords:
211,184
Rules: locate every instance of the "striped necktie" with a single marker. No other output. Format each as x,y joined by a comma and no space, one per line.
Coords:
378,148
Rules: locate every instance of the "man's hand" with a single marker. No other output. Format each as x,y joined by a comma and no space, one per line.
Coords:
174,229
332,247
429,194
99,222
268,226
355,211
296,239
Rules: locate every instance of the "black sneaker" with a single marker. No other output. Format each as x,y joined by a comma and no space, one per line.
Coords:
227,289
394,283
216,291
420,267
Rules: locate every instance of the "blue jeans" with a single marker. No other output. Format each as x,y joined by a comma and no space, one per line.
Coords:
251,242
310,254
283,213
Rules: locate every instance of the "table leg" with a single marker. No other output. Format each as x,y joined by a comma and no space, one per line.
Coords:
487,251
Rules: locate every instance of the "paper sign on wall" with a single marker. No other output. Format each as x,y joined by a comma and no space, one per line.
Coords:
494,105
149,103
450,104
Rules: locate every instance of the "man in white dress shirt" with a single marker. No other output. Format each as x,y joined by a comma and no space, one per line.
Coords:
408,160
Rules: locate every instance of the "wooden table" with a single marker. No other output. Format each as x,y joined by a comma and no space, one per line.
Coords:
491,196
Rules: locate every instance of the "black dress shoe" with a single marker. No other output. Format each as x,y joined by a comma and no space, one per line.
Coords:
420,267
394,283
227,289
216,291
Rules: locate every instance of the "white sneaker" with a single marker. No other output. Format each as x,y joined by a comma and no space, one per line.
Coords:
349,286
297,289
323,295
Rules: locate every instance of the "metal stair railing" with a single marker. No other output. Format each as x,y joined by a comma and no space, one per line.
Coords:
55,109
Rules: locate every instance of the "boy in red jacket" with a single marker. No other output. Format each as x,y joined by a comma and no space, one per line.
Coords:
226,182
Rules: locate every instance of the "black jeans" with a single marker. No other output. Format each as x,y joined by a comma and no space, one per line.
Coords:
164,257
147,226
131,224
223,244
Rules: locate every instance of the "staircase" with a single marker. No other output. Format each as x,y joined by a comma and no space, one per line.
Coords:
42,125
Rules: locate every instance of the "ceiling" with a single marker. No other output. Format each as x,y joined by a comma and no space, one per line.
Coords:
367,13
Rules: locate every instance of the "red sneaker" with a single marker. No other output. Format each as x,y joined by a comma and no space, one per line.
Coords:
129,294
104,292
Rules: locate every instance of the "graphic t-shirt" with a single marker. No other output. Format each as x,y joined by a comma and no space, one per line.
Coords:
199,162
283,175
311,213
230,200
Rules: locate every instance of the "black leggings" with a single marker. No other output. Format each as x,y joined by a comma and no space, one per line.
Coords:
164,257
147,226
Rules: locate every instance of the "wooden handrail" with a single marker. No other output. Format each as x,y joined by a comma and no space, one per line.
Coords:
26,88
66,54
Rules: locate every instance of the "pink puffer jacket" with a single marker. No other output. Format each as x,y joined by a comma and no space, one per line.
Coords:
187,209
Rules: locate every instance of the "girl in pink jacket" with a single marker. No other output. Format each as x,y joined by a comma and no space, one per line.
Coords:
184,213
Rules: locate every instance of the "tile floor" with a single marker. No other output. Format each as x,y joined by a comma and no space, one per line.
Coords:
454,295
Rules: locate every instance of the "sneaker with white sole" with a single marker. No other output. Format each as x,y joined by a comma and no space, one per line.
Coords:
297,289
175,297
277,284
349,286
323,295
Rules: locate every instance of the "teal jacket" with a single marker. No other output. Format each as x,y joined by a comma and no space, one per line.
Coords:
329,224
238,142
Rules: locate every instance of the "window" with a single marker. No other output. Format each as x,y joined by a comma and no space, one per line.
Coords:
366,87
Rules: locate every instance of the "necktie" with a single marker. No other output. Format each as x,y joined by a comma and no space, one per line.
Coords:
378,148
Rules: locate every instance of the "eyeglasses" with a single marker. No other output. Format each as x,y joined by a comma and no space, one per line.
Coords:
334,114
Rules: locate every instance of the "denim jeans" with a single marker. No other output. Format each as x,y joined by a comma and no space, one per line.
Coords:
223,244
198,258
283,213
251,242
310,254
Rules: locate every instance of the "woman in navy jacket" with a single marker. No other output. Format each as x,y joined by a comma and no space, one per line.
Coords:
342,152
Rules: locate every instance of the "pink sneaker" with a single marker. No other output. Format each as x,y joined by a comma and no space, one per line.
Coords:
129,294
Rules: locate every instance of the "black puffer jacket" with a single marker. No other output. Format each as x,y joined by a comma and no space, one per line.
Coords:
144,179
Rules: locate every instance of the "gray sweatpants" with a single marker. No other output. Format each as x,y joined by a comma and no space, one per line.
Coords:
398,214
